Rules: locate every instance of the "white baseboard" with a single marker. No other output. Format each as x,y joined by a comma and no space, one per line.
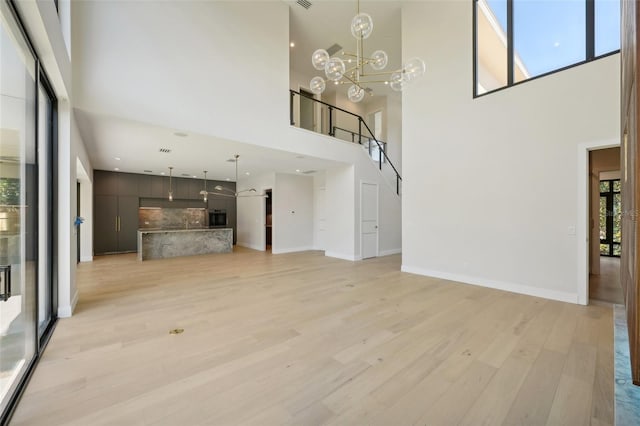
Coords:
250,246
390,252
290,250
67,311
340,255
86,258
498,285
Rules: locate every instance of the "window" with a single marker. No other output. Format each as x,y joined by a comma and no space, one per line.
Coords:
610,218
517,40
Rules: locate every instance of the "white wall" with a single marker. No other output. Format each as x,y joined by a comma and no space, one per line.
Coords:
214,67
251,212
340,196
319,210
490,184
292,211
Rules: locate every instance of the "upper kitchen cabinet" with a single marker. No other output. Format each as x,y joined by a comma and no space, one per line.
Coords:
109,183
127,183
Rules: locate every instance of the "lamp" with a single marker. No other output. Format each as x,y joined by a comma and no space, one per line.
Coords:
205,188
170,188
335,69
230,192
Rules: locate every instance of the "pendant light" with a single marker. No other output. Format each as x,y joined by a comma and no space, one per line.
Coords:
204,192
170,187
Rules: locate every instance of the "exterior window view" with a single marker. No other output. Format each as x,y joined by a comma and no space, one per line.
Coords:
306,212
517,40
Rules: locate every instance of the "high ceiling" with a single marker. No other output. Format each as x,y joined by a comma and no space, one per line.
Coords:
120,111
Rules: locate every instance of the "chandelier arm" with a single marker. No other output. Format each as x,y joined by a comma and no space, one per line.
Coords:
374,81
379,73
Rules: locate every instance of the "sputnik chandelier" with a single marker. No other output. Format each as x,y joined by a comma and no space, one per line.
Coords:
336,70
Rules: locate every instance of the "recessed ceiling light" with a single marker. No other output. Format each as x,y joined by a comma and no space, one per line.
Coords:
556,44
298,170
181,134
227,179
386,82
194,176
292,44
116,169
247,173
116,158
162,173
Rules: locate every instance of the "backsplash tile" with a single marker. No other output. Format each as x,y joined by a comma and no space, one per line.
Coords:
172,218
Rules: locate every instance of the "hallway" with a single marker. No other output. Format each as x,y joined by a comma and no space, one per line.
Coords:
606,286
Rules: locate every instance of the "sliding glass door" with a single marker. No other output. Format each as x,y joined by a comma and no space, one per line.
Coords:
18,208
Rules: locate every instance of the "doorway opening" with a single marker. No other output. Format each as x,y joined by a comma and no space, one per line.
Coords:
307,110
605,226
267,219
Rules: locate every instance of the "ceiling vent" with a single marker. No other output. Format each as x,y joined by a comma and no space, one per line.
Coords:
308,172
165,150
186,175
148,171
333,49
231,160
304,3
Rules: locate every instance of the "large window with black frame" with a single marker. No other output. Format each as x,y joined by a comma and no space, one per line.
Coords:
610,215
518,40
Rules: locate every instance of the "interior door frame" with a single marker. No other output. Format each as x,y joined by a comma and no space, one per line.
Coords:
583,229
317,112
362,183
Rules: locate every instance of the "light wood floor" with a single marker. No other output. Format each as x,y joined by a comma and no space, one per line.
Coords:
304,339
606,287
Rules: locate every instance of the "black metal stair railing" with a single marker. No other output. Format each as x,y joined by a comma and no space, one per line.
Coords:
331,125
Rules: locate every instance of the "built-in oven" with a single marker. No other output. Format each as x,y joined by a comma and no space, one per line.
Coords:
218,218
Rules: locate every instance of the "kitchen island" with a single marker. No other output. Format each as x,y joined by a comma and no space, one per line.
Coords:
165,243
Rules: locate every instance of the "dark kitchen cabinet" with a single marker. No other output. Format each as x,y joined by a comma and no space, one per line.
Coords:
116,224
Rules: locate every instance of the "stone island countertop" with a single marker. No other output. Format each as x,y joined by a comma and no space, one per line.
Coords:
156,243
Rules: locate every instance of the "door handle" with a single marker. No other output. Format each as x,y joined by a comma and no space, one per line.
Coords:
5,282
116,223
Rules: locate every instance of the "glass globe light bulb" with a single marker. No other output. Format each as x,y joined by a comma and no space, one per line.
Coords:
319,59
317,85
355,93
397,81
414,68
334,69
379,60
362,25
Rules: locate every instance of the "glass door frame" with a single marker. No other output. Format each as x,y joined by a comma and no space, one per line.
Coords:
610,217
41,339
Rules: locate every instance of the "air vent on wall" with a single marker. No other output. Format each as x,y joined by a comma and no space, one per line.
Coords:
333,49
165,150
304,3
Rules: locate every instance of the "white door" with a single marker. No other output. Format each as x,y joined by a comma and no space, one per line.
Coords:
369,219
